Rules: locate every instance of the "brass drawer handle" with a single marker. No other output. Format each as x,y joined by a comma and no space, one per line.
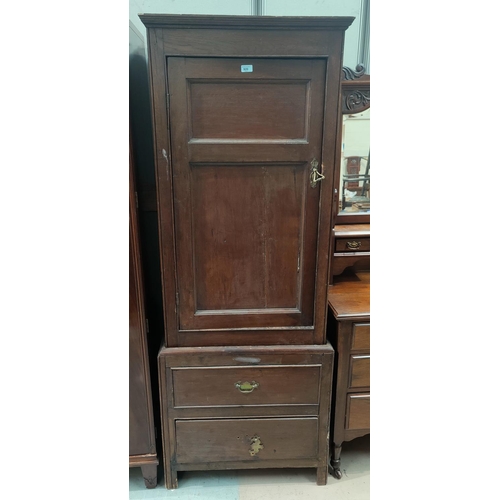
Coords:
246,387
353,245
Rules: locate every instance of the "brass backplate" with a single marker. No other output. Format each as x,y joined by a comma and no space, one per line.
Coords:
256,446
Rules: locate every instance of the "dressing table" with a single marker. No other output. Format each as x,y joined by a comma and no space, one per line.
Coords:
349,285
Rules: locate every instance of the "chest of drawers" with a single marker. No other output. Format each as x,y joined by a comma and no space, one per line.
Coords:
349,332
245,408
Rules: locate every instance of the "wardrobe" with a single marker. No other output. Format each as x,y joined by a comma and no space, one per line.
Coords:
142,440
246,136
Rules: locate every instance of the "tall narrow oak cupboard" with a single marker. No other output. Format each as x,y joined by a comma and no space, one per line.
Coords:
246,114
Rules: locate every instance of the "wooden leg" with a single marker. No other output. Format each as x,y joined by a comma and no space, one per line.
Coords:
170,478
321,475
336,461
149,473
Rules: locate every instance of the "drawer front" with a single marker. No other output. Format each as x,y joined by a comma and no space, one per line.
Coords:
246,386
361,336
201,441
352,244
358,411
359,373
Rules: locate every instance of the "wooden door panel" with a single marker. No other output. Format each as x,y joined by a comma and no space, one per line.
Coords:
239,110
246,216
247,257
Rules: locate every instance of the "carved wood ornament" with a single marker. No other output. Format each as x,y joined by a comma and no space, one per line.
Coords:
355,90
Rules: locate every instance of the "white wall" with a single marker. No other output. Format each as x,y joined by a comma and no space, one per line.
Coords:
323,8
268,7
215,7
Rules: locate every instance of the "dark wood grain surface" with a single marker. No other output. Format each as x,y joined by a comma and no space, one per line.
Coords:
246,217
349,332
142,443
349,296
200,441
208,423
346,230
274,384
273,23
245,235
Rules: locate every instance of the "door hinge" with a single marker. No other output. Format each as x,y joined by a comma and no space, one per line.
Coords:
147,325
168,101
136,200
177,299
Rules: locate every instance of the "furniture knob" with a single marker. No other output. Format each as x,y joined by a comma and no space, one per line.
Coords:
246,387
353,244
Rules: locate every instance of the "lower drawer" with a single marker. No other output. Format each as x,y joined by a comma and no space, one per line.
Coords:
200,441
358,411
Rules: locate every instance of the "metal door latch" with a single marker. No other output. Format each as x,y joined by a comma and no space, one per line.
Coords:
315,175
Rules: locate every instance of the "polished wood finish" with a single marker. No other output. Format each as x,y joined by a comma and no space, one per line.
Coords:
359,373
349,296
142,444
325,24
289,410
245,239
277,384
360,336
351,230
230,440
349,332
358,412
246,217
352,244
343,254
246,119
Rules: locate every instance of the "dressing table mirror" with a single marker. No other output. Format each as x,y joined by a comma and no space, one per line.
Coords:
351,217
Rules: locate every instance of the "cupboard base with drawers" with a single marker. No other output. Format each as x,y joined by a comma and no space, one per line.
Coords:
349,333
245,115
245,408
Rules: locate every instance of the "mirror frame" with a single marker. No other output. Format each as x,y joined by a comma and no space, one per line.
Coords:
355,97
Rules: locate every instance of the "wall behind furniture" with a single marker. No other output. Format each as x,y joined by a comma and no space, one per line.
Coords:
355,49
214,7
324,8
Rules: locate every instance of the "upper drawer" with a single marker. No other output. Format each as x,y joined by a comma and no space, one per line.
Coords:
352,244
360,336
246,386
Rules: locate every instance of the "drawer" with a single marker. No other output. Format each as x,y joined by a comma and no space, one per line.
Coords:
202,441
358,411
246,385
360,336
352,244
359,371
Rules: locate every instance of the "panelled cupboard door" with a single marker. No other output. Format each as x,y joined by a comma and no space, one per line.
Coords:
245,135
